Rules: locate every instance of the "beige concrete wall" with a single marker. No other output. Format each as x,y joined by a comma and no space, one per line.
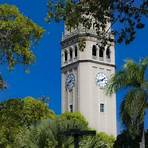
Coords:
86,96
91,96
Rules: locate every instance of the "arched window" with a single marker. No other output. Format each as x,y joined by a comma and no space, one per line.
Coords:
94,25
71,53
108,53
76,51
66,56
101,52
94,50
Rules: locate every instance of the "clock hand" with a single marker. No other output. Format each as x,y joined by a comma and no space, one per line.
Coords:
99,80
67,81
103,79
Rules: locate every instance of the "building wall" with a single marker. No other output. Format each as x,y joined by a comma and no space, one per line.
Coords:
91,96
86,96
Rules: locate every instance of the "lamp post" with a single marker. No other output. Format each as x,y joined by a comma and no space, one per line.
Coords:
77,133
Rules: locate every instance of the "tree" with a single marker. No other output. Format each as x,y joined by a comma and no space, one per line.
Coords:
125,140
64,123
37,136
133,79
146,139
18,114
108,17
17,36
101,140
50,134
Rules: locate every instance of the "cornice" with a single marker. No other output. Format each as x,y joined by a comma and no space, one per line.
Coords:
85,61
74,39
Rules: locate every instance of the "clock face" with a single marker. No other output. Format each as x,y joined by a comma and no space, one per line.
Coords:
101,80
70,81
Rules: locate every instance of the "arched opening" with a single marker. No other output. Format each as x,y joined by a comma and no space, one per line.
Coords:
94,50
101,52
66,56
71,53
76,51
108,53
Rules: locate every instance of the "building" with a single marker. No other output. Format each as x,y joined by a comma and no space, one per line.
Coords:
85,72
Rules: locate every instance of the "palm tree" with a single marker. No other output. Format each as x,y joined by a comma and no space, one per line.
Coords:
132,78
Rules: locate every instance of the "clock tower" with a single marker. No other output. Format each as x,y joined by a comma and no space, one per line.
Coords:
85,73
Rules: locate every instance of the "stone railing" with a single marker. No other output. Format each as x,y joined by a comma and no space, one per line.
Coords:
78,31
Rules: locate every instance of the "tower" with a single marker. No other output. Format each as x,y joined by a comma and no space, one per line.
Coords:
84,76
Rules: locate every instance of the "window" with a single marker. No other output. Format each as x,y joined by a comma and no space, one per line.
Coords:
71,54
94,25
66,55
108,53
94,50
101,107
71,108
101,52
76,51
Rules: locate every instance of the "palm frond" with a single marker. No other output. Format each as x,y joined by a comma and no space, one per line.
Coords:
132,123
144,85
144,64
134,73
132,110
125,117
135,102
117,82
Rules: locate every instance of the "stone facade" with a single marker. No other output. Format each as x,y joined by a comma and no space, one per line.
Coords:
82,93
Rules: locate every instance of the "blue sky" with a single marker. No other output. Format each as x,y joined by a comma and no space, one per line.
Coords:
44,77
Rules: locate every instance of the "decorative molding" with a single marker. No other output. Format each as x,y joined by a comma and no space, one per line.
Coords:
74,39
84,61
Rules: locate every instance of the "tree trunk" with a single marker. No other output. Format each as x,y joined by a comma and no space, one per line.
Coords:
142,143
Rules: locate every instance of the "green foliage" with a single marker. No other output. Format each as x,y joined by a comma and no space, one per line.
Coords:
17,35
37,136
64,123
51,134
132,78
82,44
125,140
76,117
109,140
35,110
101,140
18,114
126,14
